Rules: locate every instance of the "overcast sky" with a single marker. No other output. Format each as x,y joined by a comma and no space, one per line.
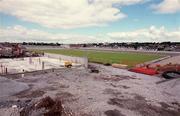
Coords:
85,21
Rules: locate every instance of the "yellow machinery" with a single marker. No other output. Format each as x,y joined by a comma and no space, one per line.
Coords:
68,64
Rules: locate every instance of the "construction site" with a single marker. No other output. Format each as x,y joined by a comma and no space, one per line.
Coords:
59,85
89,57
30,64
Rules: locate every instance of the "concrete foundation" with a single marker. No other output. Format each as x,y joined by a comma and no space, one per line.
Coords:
20,65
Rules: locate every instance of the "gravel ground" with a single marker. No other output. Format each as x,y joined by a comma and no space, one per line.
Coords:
10,87
111,92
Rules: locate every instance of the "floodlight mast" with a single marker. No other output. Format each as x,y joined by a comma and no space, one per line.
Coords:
86,54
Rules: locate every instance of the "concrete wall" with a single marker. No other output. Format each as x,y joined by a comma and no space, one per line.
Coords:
81,60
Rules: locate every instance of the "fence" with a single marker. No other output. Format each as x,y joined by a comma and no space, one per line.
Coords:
81,60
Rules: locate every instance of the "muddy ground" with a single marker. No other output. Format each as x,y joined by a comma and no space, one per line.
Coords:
111,92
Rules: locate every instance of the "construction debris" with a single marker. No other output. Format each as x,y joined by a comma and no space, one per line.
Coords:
9,50
53,108
171,74
46,107
93,69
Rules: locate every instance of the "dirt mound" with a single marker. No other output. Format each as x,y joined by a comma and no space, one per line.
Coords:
46,107
54,108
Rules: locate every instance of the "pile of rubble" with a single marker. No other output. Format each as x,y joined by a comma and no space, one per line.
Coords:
43,107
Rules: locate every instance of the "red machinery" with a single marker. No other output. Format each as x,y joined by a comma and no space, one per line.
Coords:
144,70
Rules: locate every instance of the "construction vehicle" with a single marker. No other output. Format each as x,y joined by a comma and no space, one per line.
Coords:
68,64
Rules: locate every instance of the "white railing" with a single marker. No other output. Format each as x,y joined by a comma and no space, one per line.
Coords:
81,60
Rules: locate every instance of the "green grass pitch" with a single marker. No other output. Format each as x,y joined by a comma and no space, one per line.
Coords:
130,59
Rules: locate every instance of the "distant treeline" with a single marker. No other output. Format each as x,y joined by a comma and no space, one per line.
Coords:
167,46
106,44
41,43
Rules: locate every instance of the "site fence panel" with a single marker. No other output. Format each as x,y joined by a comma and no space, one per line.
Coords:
81,60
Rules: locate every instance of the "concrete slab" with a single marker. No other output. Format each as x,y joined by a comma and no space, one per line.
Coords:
18,65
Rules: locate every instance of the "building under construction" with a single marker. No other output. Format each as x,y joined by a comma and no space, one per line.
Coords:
12,50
